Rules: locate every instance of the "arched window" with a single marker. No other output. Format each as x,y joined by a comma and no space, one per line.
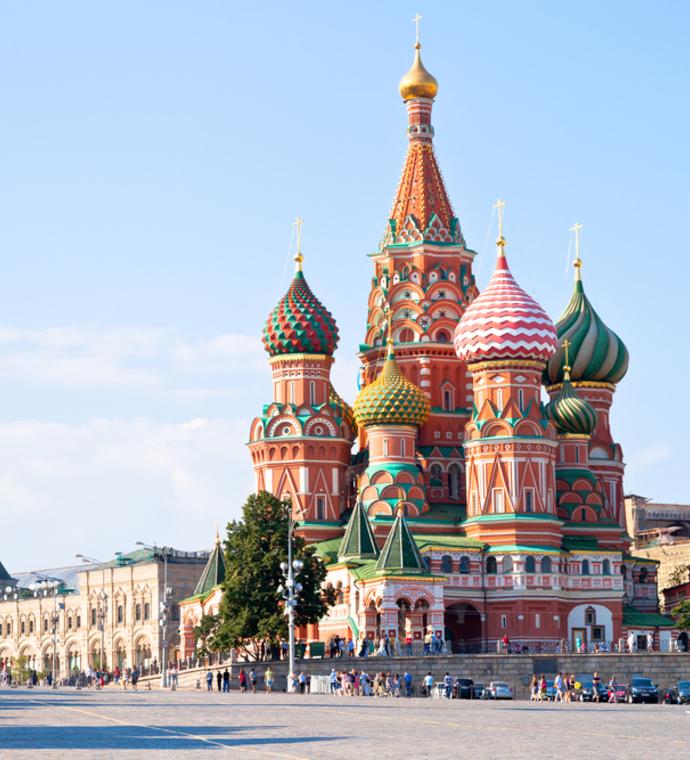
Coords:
454,481
530,565
147,611
507,564
606,567
446,564
442,336
120,613
546,564
585,567
137,612
447,400
491,567
464,565
427,563
643,575
435,474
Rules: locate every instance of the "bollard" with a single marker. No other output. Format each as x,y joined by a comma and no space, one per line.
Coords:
198,683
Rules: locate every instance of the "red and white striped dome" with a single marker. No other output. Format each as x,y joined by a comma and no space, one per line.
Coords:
503,322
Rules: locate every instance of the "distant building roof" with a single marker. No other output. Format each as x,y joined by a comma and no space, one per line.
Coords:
214,572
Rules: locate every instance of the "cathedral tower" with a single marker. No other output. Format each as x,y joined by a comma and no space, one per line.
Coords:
423,273
506,339
300,445
599,361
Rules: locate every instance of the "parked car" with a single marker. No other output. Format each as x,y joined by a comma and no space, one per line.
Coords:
499,690
678,694
621,692
586,693
641,689
464,688
478,690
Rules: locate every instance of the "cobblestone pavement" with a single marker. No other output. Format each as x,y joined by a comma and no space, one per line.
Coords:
195,724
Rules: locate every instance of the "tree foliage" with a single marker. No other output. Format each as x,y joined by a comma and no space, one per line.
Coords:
205,635
681,614
251,609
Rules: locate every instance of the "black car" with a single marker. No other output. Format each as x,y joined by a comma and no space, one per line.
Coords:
678,694
641,689
464,688
586,692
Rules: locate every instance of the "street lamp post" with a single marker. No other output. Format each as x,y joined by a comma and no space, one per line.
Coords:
101,610
163,607
290,592
51,585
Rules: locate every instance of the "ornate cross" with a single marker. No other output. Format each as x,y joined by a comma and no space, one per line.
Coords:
566,346
416,21
500,205
298,256
578,261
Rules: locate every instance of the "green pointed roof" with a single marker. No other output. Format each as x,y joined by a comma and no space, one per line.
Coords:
4,575
214,572
358,541
400,553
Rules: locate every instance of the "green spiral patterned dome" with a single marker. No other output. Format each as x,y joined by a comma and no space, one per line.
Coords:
597,353
300,323
570,413
391,398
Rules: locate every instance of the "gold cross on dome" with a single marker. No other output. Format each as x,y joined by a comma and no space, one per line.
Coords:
566,346
578,261
416,21
500,206
298,256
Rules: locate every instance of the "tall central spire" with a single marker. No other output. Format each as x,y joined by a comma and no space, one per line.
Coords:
421,211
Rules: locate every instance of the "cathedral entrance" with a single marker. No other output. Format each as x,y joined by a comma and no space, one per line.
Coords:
463,628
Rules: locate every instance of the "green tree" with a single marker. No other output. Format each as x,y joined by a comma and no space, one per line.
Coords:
681,614
205,635
251,609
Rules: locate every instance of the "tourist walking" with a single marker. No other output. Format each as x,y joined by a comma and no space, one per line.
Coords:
596,682
534,689
243,682
209,680
448,683
135,677
226,681
219,680
428,684
268,679
252,680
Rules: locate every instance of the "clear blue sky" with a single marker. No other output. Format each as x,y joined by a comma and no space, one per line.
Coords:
154,156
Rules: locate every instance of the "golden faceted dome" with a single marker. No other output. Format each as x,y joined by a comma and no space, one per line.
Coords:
418,82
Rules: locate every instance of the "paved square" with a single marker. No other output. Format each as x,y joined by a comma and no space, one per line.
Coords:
115,724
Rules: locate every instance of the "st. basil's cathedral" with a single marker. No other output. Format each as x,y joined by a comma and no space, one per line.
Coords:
451,498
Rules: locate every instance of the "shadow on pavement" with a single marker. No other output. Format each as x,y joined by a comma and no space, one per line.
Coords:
140,737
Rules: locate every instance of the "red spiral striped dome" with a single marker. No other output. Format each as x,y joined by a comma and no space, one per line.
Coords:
503,322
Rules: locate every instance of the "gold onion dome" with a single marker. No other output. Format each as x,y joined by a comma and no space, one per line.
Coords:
391,399
571,414
418,82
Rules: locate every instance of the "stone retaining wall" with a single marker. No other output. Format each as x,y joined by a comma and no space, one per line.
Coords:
516,670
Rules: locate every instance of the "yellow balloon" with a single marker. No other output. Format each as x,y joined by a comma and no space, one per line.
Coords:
578,685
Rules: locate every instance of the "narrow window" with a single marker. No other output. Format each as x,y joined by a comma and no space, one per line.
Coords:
499,399
585,567
402,447
521,399
499,504
120,613
606,567
137,612
292,392
312,392
504,621
320,507
537,620
577,455
385,447
529,500
464,565
147,611
530,565
447,400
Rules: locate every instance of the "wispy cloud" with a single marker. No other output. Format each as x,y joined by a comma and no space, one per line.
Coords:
651,455
100,486
81,357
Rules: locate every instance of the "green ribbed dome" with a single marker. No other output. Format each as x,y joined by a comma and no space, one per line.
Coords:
597,353
391,398
570,413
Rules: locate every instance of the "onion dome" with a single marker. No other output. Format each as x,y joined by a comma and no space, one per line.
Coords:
300,323
342,407
571,414
504,322
391,398
418,82
597,353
